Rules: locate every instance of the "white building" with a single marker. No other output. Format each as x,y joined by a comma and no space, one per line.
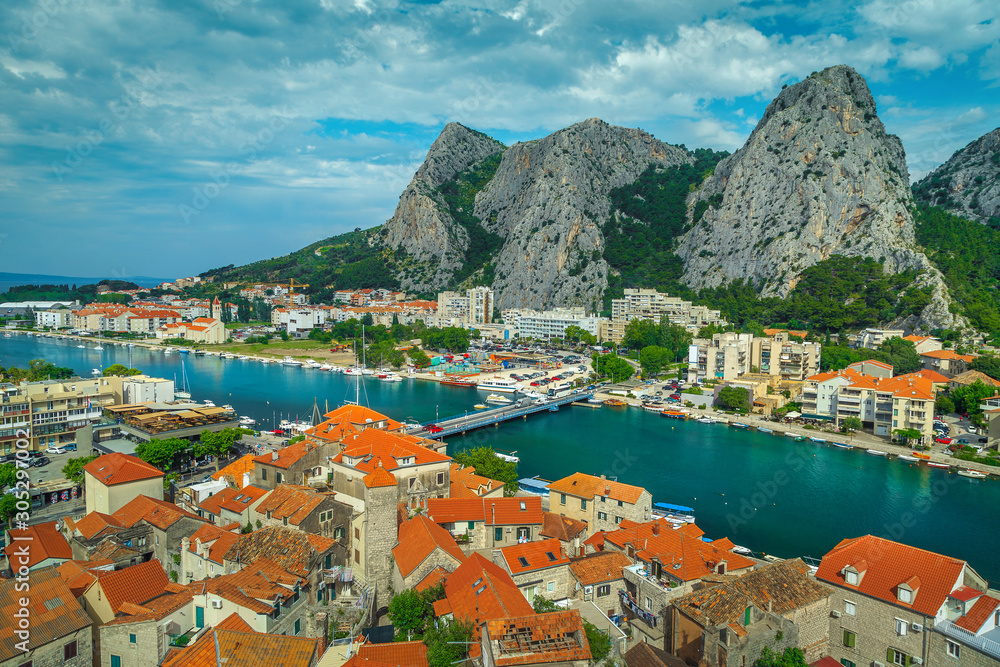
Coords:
474,306
57,318
551,323
873,338
648,304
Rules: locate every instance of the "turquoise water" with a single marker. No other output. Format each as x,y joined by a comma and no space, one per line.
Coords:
765,492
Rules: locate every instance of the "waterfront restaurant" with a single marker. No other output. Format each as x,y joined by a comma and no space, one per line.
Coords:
145,421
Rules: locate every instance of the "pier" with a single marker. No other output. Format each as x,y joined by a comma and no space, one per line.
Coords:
492,417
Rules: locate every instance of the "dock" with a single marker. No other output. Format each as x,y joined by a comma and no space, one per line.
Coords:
493,417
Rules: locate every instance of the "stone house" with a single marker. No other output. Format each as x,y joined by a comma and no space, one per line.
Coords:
60,630
423,548
374,533
233,643
602,503
888,596
556,638
36,547
488,523
294,464
600,579
971,633
571,532
303,508
718,622
112,480
538,568
232,505
420,471
141,635
399,654
946,362
465,483
202,554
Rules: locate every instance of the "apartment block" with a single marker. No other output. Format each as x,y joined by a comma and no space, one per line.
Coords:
648,304
473,306
552,323
872,338
784,357
726,357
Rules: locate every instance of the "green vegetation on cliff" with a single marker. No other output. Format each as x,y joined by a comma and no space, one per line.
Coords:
460,196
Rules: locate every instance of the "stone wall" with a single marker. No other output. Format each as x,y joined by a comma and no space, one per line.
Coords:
381,535
874,626
51,654
813,622
607,513
147,651
937,651
437,558
552,583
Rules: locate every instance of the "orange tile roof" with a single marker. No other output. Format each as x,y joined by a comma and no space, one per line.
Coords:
78,574
932,375
115,468
465,483
54,611
532,556
365,451
683,547
236,469
947,354
557,637
287,456
233,648
791,332
402,654
971,377
379,477
136,584
587,486
497,597
873,362
917,339
889,564
153,610
981,611
350,420
255,587
561,527
159,513
295,503
94,523
600,567
292,549
234,500
492,511
42,542
234,622
418,539
215,539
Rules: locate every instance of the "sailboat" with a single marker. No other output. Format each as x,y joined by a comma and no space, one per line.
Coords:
98,347
185,392
364,360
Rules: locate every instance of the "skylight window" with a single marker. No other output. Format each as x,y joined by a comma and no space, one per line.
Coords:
551,556
524,506
523,561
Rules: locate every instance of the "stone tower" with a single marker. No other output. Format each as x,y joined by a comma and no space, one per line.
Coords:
217,309
381,531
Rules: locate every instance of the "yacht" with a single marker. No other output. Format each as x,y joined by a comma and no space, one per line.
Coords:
353,371
208,404
498,399
390,377
326,367
247,421
288,361
497,383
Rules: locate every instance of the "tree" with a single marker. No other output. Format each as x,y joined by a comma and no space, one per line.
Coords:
217,444
944,405
488,464
907,435
367,320
851,424
613,366
161,452
38,369
448,643
543,605
574,333
653,359
968,398
8,475
120,370
734,398
408,612
73,470
640,333
988,364
790,657
8,507
419,358
901,354
600,642
284,335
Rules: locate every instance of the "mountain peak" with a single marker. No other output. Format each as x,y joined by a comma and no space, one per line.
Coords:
968,184
456,149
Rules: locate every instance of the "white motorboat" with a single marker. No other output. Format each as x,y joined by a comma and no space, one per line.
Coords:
247,421
367,371
390,377
507,457
972,474
876,452
82,347
208,404
498,399
704,420
904,457
228,407
501,384
288,361
353,371
326,367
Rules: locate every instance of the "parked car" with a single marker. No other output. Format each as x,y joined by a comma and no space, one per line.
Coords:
55,450
71,447
963,441
943,440
40,461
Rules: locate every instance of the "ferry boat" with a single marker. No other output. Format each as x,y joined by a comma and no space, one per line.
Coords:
288,361
459,382
498,399
972,474
497,383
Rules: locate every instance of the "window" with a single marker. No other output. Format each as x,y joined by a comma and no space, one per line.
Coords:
898,657
852,578
498,534
131,639
552,586
604,499
357,533
523,561
524,534
847,663
562,498
603,516
850,608
849,638
472,525
954,650
69,650
440,478
621,504
116,661
618,519
25,664
263,474
357,556
411,481
901,627
603,590
524,506
297,626
649,604
277,477
905,595
583,503
338,533
328,561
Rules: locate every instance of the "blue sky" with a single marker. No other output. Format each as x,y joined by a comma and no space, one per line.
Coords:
168,137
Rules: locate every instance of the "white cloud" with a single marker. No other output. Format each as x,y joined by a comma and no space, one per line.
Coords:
922,58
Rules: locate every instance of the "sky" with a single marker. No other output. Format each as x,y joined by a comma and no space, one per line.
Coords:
166,138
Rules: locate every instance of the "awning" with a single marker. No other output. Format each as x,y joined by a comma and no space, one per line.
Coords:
793,414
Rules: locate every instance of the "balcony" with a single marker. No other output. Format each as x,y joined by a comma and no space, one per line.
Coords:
988,643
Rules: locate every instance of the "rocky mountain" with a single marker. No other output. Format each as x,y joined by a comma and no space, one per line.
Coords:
819,176
968,184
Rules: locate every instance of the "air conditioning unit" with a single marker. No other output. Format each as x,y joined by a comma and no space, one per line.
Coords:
835,613
916,627
877,664
918,661
216,604
509,529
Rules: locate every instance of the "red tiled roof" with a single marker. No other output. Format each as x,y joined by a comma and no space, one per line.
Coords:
292,549
947,354
562,528
965,593
825,661
379,477
54,611
295,503
350,420
234,622
401,654
373,447
42,541
115,468
220,646
159,513
599,568
532,556
980,612
432,579
236,469
419,538
94,523
465,483
889,564
557,637
136,584
78,575
492,511
287,456
234,500
497,597
217,540
588,486
932,375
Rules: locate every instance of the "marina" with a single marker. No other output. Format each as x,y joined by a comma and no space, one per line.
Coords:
720,472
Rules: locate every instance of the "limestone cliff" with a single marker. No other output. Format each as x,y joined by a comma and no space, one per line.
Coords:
818,176
968,184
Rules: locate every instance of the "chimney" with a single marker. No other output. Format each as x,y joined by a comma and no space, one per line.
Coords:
656,528
274,456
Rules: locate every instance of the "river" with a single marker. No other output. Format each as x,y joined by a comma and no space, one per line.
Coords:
764,492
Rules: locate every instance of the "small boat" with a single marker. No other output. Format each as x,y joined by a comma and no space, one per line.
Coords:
468,383
739,425
247,421
652,407
789,434
199,353
814,439
498,399
743,551
554,408
592,399
208,404
922,456
510,458
842,445
353,370
761,429
82,347
938,465
288,361
325,367
615,403
673,414
480,406
972,474
367,371
705,420
904,457
800,438
876,452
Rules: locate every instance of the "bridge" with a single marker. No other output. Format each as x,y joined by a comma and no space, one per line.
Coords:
493,416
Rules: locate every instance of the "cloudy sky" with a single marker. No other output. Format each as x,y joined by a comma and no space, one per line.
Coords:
164,138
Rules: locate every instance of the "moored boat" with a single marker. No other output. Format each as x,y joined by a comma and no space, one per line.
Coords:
479,406
922,456
459,382
972,474
761,429
615,403
842,445
288,361
904,457
501,384
507,456
876,452
498,399
938,465
815,439
705,420
739,425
